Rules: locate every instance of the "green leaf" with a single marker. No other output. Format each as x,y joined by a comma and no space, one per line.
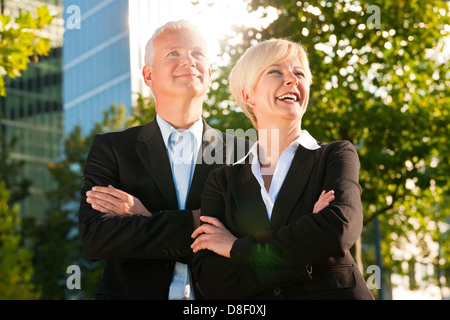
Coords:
19,42
42,46
44,16
4,20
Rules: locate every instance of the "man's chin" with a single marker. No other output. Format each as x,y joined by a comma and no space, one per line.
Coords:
191,89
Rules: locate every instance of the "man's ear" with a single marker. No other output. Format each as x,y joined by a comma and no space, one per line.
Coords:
147,75
246,97
210,80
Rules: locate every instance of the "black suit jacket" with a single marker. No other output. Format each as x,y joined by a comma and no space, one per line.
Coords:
296,254
141,252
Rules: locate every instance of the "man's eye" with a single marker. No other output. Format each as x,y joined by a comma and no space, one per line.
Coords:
198,54
173,53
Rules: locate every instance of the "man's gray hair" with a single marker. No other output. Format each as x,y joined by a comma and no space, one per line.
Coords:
169,26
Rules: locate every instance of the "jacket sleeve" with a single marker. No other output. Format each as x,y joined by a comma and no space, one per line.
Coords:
164,235
314,237
220,278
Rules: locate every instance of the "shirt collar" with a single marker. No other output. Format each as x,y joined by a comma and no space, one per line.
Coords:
305,139
166,129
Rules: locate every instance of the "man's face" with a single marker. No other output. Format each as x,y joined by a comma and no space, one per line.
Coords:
180,65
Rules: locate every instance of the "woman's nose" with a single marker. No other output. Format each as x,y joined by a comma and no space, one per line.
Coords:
291,80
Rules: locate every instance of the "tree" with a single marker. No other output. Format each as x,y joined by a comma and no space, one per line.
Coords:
20,40
16,267
143,111
380,80
55,241
17,187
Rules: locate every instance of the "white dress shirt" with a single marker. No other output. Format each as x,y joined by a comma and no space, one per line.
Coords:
281,169
182,156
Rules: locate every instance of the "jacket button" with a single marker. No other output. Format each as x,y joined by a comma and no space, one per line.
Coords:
277,290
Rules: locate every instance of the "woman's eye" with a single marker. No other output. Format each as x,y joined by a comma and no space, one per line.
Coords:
300,74
274,72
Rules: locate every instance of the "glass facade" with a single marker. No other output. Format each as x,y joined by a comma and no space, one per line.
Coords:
96,61
32,112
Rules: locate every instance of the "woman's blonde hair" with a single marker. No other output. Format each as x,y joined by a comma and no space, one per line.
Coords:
250,66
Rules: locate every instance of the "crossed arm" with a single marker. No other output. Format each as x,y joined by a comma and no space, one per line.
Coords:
115,202
213,235
121,224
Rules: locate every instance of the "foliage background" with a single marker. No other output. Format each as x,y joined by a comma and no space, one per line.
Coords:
383,86
381,82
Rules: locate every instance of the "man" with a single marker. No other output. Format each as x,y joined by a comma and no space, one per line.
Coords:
142,187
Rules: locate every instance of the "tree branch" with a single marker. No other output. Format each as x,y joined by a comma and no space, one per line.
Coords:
384,210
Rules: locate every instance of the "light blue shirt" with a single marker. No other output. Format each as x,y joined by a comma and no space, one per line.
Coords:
281,169
182,152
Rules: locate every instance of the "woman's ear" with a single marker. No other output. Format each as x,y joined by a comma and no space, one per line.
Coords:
246,98
147,75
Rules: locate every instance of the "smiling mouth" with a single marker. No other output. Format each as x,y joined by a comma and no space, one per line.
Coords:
189,75
291,96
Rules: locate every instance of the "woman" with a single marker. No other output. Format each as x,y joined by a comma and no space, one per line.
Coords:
262,236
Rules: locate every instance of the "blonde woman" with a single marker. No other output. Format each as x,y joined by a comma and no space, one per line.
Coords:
263,235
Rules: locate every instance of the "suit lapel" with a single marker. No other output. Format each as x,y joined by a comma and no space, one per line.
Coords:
152,152
210,156
293,185
247,195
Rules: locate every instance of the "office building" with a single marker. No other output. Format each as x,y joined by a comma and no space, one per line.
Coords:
32,110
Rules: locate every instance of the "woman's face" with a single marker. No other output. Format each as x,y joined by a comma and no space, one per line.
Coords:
281,94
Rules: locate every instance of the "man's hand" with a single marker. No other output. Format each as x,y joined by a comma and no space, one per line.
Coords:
115,202
213,236
324,200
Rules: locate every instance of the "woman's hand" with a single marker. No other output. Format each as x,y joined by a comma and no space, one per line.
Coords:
213,235
324,201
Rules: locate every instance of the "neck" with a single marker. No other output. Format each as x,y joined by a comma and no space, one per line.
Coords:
272,142
180,113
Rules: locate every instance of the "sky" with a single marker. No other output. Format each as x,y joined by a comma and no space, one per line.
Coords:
214,18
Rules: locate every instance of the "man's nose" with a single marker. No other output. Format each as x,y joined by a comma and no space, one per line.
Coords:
188,60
